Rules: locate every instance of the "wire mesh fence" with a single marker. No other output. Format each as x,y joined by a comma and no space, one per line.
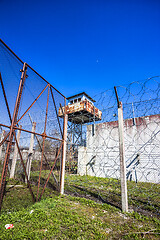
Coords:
32,138
98,153
141,104
31,134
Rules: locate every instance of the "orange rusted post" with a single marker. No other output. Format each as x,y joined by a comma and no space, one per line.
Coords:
43,145
14,119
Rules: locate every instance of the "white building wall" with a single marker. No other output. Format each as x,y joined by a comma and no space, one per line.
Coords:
142,153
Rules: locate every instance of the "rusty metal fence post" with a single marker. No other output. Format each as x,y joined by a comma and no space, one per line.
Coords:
52,133
11,134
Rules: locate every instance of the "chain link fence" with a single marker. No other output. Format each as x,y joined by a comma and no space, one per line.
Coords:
31,132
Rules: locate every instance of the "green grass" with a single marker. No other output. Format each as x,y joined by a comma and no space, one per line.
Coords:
83,217
143,197
70,217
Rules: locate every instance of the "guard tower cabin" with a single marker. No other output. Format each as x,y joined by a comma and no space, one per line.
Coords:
81,109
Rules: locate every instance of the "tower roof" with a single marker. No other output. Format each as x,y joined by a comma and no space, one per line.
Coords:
79,94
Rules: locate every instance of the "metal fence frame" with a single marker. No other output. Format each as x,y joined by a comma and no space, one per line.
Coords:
14,125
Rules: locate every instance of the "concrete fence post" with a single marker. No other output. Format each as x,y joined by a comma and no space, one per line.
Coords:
124,197
30,152
15,155
63,154
1,147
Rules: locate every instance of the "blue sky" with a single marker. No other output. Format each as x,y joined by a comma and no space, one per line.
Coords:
85,45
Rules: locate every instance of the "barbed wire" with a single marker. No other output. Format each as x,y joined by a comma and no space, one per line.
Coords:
99,156
93,156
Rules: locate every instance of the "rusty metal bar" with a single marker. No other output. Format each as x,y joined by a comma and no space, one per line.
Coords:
44,155
50,172
16,109
47,110
4,139
30,67
45,80
40,168
32,104
5,97
47,162
62,108
24,130
11,51
56,111
7,105
44,137
13,127
118,102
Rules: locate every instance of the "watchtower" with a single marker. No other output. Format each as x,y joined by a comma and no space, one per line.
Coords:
80,111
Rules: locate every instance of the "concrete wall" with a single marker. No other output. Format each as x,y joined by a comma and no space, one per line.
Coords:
142,153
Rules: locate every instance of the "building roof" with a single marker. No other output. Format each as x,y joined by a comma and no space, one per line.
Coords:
79,94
